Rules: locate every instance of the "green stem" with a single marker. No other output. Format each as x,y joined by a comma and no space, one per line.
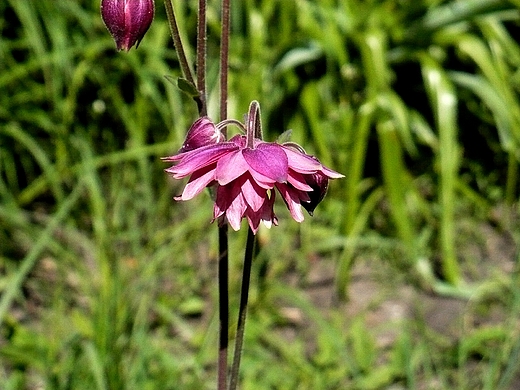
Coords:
177,42
179,48
224,61
201,55
244,295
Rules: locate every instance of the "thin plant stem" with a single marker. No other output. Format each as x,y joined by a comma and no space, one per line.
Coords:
177,42
226,122
223,278
224,60
183,62
201,55
253,124
242,311
223,262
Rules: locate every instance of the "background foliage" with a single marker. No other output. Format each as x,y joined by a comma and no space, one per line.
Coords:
106,283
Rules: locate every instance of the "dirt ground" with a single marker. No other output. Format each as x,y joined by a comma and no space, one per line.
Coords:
386,299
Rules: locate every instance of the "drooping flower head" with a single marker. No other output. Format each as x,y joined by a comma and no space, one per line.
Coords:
246,171
127,20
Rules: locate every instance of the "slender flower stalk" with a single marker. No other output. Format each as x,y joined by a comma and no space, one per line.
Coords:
223,263
242,311
201,55
177,42
253,125
200,100
224,60
223,294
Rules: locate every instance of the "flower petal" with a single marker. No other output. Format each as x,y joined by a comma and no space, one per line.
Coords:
300,162
267,212
330,173
230,167
254,195
200,158
239,140
297,180
269,160
253,219
235,212
224,197
292,200
198,181
127,21
175,157
261,180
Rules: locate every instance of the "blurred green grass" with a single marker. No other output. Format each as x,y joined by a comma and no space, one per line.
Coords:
107,283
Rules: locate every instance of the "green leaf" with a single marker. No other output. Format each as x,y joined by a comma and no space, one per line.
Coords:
363,345
185,86
296,57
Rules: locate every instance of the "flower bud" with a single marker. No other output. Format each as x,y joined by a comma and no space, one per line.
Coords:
127,20
201,133
319,183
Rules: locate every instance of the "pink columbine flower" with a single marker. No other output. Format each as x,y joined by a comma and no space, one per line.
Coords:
246,171
127,20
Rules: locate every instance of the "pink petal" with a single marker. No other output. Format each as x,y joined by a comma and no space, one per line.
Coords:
261,180
253,219
217,212
239,140
330,173
226,195
230,167
198,181
254,195
127,21
267,212
269,160
200,158
300,162
175,157
235,212
297,180
219,208
292,200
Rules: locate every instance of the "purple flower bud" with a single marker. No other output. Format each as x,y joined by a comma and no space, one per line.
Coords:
127,20
319,183
201,133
